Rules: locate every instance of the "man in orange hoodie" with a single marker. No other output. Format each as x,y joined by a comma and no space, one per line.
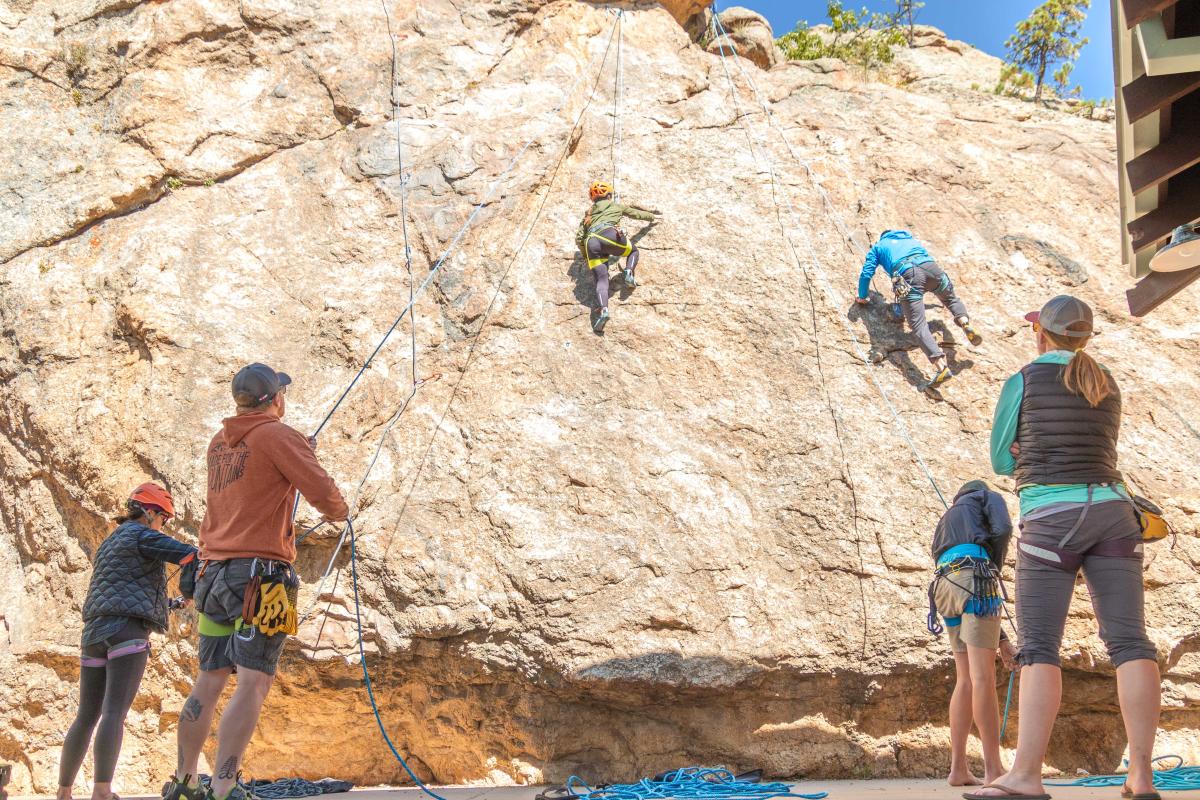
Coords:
256,465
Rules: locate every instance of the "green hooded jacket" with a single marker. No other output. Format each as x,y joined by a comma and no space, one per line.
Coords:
606,214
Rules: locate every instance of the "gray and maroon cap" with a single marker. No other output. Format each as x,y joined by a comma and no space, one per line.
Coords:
1060,313
257,383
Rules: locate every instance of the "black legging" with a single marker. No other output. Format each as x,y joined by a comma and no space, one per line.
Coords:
598,248
105,694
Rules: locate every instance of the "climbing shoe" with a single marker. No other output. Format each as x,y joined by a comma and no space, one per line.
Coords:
630,281
943,375
177,790
973,337
601,321
239,791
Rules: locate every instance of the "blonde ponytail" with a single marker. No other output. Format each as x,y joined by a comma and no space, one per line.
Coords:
1083,375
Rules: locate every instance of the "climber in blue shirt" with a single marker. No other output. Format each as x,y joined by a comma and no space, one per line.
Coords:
914,272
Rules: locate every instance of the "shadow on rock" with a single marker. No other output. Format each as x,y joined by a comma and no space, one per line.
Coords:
891,341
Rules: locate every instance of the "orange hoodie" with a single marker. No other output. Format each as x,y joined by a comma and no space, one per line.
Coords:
255,466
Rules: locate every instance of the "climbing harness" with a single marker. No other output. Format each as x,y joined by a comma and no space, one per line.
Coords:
692,783
626,248
986,592
831,294
1178,778
1069,561
118,650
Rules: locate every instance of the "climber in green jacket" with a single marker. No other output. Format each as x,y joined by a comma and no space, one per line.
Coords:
599,239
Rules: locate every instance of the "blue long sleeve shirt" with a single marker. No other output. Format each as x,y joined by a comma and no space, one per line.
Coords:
1004,434
895,251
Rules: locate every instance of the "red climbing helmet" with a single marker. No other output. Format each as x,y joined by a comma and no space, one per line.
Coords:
599,189
153,496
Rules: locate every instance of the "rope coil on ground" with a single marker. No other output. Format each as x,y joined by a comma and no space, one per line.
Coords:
692,783
1178,778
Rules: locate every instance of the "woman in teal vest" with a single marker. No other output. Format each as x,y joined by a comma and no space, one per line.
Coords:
1055,431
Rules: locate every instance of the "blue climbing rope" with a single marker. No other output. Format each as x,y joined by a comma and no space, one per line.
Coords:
362,657
1012,677
1174,779
692,783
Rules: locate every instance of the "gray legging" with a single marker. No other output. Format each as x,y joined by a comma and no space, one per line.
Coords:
109,677
1115,584
928,278
603,244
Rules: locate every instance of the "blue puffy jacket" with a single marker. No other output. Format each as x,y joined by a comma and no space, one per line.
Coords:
894,248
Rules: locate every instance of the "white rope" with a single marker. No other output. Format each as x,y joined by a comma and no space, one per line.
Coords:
830,293
395,417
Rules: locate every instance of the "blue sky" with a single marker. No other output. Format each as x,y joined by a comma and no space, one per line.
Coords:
982,23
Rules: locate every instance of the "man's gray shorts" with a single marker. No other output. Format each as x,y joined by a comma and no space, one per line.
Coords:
220,593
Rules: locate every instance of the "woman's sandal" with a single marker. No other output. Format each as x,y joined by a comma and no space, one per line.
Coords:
1009,794
1129,794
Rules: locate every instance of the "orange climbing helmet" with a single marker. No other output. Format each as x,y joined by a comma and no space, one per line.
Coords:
153,496
599,188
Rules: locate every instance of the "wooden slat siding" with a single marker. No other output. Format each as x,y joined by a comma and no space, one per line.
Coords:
1137,11
1181,207
1148,94
1157,288
1171,157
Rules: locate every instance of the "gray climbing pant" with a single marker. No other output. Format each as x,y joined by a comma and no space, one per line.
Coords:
928,277
1115,584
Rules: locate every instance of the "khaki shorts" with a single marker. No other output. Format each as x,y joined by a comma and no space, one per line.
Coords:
950,595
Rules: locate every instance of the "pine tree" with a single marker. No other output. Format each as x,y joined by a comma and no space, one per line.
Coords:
906,17
1049,36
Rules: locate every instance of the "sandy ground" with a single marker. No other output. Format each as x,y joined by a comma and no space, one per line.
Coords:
838,790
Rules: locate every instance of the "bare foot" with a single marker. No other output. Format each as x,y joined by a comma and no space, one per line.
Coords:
1013,784
64,793
963,778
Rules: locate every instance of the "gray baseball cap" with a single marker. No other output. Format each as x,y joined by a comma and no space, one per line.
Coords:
258,383
1060,313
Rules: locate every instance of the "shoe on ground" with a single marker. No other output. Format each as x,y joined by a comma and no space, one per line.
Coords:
177,790
972,336
630,280
601,321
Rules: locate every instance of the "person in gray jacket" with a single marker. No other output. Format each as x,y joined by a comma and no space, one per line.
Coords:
969,547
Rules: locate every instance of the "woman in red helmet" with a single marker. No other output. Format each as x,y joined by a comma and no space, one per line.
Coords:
126,600
599,239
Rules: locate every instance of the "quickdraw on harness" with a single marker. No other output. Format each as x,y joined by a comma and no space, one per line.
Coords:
986,590
901,288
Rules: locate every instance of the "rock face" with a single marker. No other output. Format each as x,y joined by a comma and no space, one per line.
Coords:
699,538
749,35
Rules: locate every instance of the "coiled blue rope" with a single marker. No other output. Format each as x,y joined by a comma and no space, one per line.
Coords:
1175,779
693,782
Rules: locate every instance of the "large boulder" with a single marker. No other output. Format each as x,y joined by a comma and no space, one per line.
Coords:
748,34
701,537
